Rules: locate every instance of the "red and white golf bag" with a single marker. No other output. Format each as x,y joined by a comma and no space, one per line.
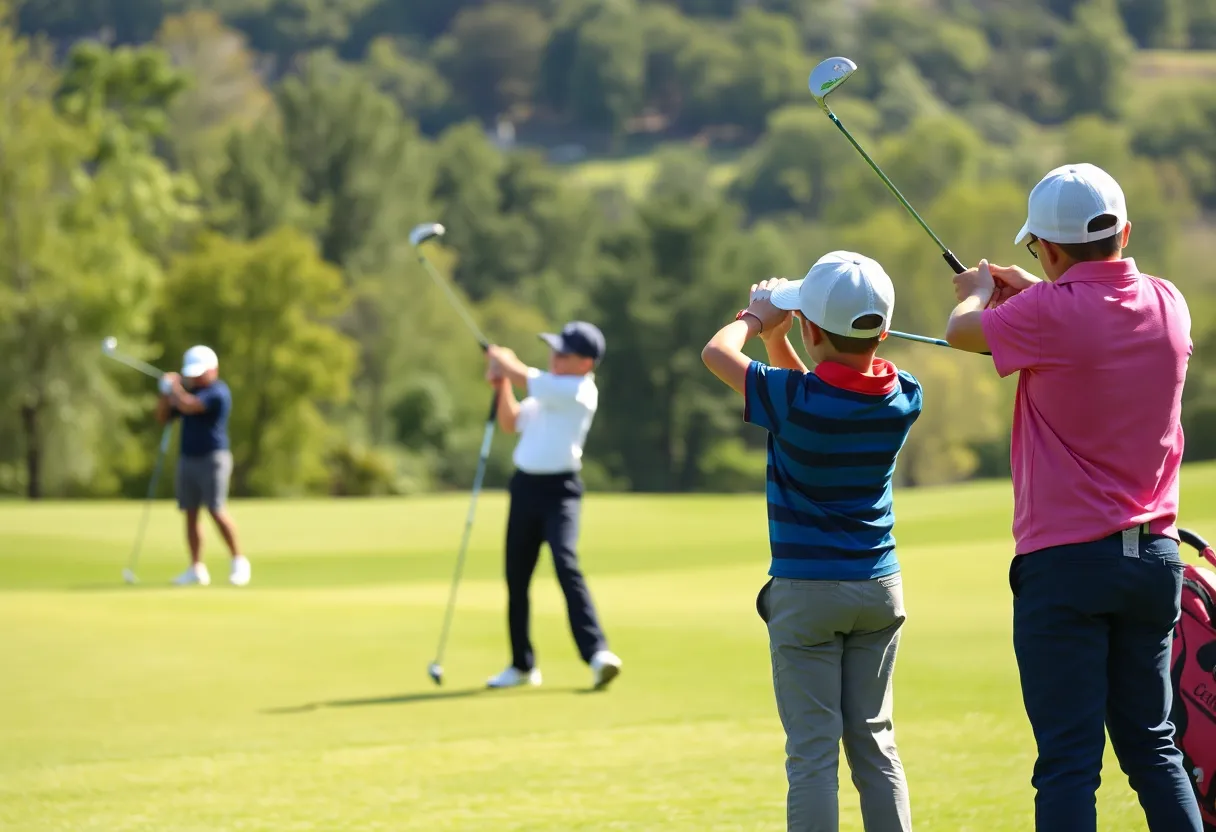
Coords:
1193,671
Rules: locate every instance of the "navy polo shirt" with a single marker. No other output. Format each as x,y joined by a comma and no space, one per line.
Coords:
207,432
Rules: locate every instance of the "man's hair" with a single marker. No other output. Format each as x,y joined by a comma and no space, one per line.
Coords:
856,346
1103,249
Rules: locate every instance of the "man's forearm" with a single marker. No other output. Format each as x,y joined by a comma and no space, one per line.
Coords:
185,401
781,354
965,330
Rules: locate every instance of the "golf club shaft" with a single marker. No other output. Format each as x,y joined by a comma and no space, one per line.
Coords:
946,253
133,561
920,339
454,299
482,459
135,364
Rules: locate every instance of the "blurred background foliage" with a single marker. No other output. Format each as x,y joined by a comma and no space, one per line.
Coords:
244,173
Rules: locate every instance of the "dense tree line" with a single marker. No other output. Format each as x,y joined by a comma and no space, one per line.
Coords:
244,173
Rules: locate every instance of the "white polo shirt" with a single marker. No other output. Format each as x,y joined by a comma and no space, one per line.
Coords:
553,422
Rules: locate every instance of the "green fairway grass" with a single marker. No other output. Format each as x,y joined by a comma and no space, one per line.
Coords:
302,702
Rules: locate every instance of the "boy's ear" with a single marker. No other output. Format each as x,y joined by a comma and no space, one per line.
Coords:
814,330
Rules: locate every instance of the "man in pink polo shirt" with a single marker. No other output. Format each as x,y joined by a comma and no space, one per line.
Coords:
1101,351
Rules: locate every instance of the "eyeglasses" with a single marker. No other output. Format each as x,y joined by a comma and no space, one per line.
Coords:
1032,245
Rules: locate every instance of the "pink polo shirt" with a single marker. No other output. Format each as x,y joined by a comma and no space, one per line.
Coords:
1097,437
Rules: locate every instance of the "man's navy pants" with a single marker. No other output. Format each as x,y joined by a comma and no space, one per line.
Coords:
545,509
1092,631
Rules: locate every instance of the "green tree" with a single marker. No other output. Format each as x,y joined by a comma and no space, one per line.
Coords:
1160,24
267,307
224,91
1179,131
1201,19
607,75
362,163
1091,58
258,187
661,412
708,66
417,86
773,71
780,175
491,57
73,273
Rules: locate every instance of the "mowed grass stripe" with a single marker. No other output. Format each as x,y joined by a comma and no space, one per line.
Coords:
303,704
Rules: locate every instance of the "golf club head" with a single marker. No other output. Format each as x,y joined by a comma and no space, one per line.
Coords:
109,345
829,75
435,672
424,232
129,577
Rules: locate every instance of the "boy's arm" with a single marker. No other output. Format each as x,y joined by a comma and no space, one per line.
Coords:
508,406
781,354
724,355
504,362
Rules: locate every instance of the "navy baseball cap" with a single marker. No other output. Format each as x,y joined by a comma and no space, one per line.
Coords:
577,338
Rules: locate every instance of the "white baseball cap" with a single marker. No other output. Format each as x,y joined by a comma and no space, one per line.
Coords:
199,360
1064,202
841,288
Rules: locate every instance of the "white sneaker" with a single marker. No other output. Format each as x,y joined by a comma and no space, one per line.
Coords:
241,571
605,666
513,677
196,575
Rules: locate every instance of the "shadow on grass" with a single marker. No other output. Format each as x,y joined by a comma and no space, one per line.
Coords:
424,696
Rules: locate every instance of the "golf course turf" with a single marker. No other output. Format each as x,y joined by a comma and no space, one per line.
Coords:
302,702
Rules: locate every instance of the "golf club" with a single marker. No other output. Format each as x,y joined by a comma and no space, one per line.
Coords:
920,339
430,231
435,669
128,574
824,79
109,348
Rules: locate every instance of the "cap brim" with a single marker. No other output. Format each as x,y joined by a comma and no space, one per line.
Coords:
1023,235
194,370
787,296
554,341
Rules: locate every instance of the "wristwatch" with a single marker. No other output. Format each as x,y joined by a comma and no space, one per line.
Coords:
744,312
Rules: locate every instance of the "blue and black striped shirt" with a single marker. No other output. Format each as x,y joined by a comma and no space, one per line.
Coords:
834,435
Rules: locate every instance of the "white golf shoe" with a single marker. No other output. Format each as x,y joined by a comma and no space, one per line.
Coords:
605,666
513,677
241,571
196,575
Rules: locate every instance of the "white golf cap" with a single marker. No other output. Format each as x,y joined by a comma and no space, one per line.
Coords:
1064,202
841,288
199,360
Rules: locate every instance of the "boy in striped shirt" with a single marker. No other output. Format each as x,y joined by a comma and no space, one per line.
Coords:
834,601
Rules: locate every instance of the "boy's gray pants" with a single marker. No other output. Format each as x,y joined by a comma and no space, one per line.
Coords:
833,646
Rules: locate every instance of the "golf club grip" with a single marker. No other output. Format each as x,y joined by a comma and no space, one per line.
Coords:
953,262
493,408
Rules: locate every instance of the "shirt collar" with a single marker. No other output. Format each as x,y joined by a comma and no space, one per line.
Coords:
1100,271
884,377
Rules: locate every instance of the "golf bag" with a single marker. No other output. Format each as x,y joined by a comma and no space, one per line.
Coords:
1193,672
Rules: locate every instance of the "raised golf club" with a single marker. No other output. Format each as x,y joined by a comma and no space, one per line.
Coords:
435,668
109,348
430,231
129,574
920,339
824,80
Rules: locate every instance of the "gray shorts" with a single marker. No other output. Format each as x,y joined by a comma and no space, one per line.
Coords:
203,481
